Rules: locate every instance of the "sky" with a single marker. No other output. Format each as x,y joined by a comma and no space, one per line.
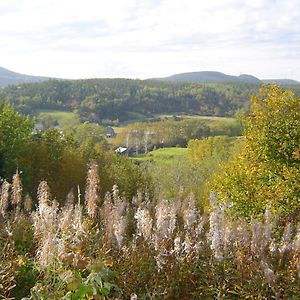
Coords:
150,38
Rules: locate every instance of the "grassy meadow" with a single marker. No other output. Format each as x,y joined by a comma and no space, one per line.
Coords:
163,155
63,118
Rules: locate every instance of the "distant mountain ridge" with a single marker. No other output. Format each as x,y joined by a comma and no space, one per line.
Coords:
281,81
8,77
218,77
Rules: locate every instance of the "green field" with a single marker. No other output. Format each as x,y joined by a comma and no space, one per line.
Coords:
162,155
64,118
189,117
118,129
135,117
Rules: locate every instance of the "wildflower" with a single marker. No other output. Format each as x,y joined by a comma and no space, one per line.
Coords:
43,192
269,274
212,199
199,227
78,224
273,247
177,246
108,263
4,199
257,233
190,213
45,225
106,214
166,216
296,242
48,250
21,260
115,193
243,236
119,230
16,188
92,189
66,219
268,228
138,199
160,261
187,245
28,203
119,217
286,244
144,223
114,215
216,232
70,199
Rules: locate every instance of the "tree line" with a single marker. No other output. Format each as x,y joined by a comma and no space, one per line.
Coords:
61,158
95,100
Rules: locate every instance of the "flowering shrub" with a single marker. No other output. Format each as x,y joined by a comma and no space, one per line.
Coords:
144,248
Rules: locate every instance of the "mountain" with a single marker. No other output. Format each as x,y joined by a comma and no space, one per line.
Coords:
210,76
218,77
8,77
281,81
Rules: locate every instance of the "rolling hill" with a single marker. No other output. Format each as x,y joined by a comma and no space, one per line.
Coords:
8,77
211,77
218,77
281,81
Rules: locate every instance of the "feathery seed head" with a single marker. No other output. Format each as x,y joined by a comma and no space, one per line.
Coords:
4,199
216,232
286,240
16,188
92,191
144,223
119,227
269,274
296,243
28,203
70,199
43,192
166,217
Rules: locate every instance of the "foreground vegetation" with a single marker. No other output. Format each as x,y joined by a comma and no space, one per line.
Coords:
117,248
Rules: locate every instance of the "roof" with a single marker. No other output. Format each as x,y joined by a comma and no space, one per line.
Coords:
121,150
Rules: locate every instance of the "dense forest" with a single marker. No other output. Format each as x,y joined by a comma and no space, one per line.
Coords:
96,100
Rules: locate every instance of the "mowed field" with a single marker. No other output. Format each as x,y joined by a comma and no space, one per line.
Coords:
193,117
162,155
64,118
170,117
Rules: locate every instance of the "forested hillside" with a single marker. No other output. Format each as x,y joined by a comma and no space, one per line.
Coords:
120,99
211,76
8,77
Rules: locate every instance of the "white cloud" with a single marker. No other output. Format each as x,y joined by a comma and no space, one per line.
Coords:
145,38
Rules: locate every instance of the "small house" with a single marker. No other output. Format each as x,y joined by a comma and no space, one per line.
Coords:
121,150
110,133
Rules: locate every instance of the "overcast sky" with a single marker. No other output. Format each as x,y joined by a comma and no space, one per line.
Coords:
150,38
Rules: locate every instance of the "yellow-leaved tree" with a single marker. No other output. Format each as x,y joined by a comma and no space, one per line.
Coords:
268,170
